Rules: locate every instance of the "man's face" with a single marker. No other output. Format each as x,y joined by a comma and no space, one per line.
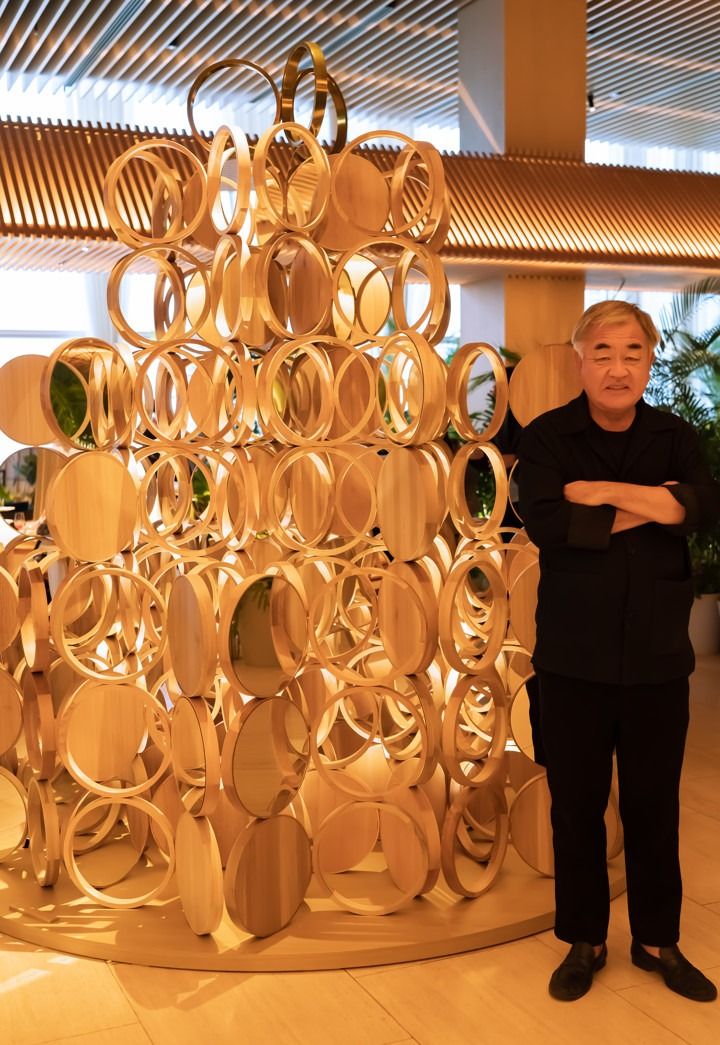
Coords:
615,366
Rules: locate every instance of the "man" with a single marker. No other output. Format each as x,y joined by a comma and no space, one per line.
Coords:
609,486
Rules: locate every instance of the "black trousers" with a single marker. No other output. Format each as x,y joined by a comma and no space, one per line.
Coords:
582,723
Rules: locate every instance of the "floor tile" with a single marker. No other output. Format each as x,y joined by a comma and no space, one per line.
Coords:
696,1022
290,1008
701,792
368,970
700,856
704,729
130,1035
699,939
499,996
42,993
705,681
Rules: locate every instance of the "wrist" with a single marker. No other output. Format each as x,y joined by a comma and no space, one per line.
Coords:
607,493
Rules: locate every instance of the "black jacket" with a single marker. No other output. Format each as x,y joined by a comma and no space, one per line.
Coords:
612,607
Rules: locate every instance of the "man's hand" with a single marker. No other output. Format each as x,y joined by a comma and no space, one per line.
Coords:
653,503
591,493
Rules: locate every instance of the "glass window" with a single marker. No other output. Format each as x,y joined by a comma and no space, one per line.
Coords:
43,301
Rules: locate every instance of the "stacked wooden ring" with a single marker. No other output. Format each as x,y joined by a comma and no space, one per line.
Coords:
267,633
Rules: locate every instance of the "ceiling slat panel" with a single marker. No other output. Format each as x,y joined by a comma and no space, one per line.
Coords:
507,209
653,68
410,45
60,57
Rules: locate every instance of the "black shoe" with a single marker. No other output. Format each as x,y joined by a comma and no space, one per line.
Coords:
679,975
574,976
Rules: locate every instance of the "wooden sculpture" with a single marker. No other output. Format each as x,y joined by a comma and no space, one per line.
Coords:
269,633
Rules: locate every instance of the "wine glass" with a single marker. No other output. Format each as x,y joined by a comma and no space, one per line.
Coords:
19,520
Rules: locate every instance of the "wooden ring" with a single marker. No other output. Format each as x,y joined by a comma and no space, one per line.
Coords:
162,824
209,70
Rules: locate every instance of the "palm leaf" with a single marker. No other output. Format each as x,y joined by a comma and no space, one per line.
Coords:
685,304
708,338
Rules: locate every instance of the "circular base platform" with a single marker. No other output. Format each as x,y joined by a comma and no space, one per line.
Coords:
319,937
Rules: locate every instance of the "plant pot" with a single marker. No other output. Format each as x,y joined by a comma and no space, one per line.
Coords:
705,625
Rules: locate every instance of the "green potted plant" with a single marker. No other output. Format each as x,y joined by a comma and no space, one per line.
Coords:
686,380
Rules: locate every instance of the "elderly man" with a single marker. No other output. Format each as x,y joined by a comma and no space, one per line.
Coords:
609,486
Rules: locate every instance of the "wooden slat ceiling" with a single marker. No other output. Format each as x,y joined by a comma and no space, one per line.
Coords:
515,210
654,72
397,57
653,65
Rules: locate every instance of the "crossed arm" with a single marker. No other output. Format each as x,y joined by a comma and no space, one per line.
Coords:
585,514
635,505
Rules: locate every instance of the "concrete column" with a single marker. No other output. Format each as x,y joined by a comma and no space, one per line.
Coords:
522,77
541,310
480,317
522,90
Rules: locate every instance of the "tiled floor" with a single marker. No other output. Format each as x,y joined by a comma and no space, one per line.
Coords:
498,995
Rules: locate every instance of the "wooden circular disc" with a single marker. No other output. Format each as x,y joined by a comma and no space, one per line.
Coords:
523,603
310,288
21,415
359,204
407,617
530,828
199,873
44,832
399,841
467,613
462,872
9,610
11,711
543,379
192,635
520,721
227,823
193,191
409,512
521,769
92,507
312,496
474,730
109,863
166,798
33,615
262,635
39,723
613,827
13,812
265,756
267,874
347,841
101,727
370,889
196,754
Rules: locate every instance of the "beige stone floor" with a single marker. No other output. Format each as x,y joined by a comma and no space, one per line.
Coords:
498,995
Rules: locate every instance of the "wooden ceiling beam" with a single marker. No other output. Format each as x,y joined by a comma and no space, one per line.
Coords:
504,209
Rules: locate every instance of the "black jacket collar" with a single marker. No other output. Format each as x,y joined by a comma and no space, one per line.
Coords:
575,417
